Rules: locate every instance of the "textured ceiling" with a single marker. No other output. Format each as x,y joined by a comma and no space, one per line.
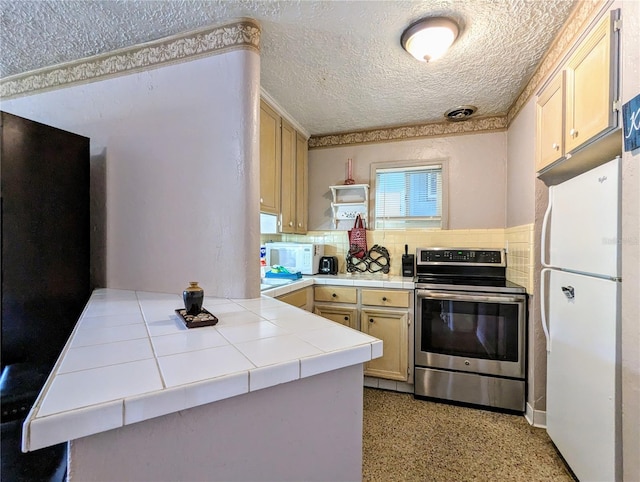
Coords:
335,66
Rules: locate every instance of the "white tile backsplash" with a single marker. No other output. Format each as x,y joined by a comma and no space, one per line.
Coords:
520,257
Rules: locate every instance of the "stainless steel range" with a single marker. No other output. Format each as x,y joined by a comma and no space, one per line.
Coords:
470,322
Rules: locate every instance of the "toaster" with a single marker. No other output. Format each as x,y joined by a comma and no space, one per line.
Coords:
328,265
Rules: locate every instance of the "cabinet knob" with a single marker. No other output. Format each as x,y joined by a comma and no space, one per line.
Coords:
299,225
261,201
333,295
555,146
370,320
346,318
290,223
573,133
384,298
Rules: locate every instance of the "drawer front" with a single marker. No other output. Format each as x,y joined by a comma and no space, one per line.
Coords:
336,294
395,298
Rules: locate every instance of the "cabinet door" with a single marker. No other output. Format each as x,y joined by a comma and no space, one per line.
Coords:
288,187
549,120
270,146
339,314
302,194
590,88
296,298
392,328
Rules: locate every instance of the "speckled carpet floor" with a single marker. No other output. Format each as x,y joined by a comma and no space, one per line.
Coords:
415,440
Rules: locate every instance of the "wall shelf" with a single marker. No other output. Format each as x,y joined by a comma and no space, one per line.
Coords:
349,200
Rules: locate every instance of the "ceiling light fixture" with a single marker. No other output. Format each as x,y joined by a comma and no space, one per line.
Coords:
428,39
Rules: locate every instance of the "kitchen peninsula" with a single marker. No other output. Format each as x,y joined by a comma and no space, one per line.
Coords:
271,393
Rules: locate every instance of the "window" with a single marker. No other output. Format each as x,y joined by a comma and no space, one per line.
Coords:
409,195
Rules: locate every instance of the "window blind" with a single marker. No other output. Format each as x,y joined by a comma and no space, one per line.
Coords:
408,197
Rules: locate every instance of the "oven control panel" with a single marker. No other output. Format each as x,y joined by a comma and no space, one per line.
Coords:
492,257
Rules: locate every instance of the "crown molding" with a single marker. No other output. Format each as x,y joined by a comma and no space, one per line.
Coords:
283,112
403,133
243,33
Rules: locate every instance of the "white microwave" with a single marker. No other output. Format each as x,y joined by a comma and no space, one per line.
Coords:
303,257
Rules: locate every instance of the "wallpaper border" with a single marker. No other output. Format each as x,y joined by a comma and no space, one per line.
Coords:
238,34
438,129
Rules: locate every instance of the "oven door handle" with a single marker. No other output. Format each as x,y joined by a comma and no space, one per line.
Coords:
481,298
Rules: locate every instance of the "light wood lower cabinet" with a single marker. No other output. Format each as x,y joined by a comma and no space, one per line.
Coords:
339,314
300,298
391,326
381,313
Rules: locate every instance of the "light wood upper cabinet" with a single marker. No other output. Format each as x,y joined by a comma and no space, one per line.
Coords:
391,327
576,113
270,146
283,172
590,75
550,125
288,186
302,184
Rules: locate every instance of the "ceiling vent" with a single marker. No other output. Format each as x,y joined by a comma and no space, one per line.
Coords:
460,113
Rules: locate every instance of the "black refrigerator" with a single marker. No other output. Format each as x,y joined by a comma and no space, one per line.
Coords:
44,177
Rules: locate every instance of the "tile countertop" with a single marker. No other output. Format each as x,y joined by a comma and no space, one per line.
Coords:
130,359
361,280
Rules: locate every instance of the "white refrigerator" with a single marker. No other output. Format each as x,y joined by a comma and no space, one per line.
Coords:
580,305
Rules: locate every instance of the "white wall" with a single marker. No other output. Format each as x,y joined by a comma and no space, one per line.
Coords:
526,200
521,148
630,243
175,172
305,430
477,174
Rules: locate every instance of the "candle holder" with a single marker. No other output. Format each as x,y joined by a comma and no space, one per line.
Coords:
349,180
